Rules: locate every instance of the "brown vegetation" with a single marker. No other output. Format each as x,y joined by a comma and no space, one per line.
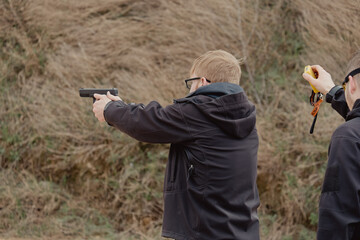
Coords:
67,176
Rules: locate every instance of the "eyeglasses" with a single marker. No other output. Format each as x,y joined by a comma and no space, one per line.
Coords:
188,81
352,73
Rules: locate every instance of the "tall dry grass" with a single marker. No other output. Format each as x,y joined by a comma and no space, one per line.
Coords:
50,49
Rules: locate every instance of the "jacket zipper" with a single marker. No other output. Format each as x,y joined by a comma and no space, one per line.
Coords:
191,169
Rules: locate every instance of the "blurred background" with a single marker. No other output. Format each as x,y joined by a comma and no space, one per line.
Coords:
66,176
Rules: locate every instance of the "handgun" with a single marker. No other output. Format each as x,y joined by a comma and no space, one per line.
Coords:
309,71
89,92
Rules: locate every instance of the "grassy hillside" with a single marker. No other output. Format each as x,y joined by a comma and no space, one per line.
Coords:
65,176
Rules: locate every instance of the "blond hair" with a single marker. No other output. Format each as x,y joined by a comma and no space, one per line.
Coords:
354,63
217,66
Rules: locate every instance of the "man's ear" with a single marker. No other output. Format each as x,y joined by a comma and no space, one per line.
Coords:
352,84
204,82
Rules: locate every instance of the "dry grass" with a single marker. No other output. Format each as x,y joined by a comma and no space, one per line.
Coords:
41,209
49,49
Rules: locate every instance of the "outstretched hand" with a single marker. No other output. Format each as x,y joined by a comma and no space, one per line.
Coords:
101,101
323,83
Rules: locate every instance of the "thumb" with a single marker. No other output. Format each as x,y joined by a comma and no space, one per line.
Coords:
309,78
112,97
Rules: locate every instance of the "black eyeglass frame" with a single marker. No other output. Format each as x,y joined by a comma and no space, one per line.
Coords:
352,73
192,79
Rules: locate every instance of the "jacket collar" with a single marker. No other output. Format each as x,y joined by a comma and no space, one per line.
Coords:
216,90
355,112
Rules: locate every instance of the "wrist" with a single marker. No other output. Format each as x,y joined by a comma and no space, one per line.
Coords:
328,89
107,105
331,93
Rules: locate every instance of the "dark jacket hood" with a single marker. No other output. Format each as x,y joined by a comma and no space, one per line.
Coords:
355,112
226,105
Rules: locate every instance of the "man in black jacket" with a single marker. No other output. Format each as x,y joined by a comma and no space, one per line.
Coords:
339,208
210,187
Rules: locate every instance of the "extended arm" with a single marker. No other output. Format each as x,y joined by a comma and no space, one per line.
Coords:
151,123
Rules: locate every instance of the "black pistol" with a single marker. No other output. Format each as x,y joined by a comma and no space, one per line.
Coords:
89,92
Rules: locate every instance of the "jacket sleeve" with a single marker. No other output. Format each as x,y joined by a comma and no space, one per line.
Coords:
151,123
338,101
339,208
